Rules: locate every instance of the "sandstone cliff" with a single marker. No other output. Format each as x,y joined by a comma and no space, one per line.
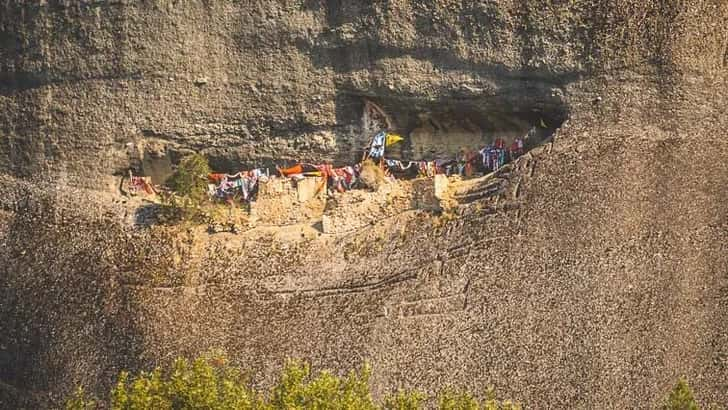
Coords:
604,279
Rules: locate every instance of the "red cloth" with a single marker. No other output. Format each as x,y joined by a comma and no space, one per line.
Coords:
343,172
326,170
215,178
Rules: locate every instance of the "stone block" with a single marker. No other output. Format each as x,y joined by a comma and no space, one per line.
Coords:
429,193
441,185
310,188
282,201
356,209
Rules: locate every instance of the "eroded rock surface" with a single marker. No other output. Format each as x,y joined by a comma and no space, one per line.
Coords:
600,278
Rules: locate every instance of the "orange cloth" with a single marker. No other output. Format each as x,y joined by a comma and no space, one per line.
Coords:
296,169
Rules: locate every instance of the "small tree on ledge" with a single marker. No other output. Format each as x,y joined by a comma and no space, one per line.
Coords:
190,179
189,183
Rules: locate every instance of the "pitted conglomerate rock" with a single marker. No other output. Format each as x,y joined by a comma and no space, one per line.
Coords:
596,287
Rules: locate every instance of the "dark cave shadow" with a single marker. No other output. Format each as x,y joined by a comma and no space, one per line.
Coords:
328,51
525,94
361,54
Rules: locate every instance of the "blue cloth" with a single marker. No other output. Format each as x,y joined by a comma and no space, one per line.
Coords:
377,149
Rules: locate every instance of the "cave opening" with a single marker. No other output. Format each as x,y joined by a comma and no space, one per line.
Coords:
433,129
436,130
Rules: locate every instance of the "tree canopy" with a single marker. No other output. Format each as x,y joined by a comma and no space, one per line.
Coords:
210,382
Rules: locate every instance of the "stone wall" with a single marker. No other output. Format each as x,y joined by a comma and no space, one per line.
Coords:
283,201
430,194
352,210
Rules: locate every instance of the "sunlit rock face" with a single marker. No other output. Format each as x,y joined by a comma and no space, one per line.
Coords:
595,281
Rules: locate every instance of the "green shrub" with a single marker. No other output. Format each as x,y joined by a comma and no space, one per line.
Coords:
298,390
79,401
681,397
209,382
405,400
458,400
455,400
492,403
190,178
189,185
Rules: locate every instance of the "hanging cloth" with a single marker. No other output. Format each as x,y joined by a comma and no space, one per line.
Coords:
378,143
216,178
296,169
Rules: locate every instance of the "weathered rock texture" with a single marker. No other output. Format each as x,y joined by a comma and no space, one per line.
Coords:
284,202
261,80
601,283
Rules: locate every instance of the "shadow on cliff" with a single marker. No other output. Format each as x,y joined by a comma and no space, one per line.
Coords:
64,319
495,97
27,55
363,46
364,53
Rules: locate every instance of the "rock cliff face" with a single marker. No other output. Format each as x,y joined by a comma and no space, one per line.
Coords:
602,281
85,84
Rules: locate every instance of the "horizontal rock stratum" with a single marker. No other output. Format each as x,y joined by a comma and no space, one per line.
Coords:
603,280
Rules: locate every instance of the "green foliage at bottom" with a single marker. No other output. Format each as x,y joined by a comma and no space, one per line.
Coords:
298,389
210,382
681,397
404,400
79,401
459,400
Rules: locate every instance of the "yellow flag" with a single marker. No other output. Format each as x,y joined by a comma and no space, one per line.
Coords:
393,139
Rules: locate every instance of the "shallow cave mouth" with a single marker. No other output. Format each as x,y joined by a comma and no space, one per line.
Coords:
446,128
439,128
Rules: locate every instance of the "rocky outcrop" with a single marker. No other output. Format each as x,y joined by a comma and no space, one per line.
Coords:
598,283
86,84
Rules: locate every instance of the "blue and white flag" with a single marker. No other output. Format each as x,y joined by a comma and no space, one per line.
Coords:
377,149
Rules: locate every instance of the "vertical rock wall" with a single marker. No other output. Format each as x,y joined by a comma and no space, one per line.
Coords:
84,85
602,284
